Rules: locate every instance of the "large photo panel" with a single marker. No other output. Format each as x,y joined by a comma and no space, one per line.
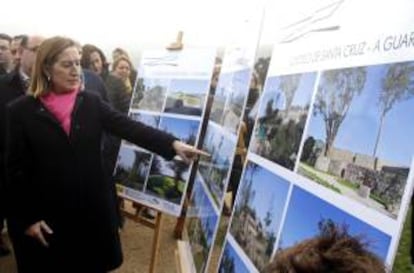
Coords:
332,120
171,95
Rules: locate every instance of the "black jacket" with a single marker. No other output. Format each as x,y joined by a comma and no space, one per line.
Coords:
60,179
94,83
11,87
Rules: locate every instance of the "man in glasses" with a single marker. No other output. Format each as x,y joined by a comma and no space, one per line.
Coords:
13,85
6,64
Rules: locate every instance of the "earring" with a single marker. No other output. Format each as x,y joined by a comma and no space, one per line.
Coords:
48,78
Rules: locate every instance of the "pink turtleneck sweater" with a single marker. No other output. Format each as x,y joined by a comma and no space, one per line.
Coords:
61,106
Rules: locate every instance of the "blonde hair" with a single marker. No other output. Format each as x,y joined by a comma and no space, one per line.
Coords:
119,52
46,56
119,59
126,81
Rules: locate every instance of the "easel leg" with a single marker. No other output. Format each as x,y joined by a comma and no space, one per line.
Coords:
156,243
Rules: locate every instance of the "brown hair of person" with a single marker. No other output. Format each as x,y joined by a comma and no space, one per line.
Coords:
332,251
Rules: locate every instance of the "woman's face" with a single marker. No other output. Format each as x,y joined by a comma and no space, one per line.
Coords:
122,70
65,72
96,64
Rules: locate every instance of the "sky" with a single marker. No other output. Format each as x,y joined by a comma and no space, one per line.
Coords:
150,120
152,82
208,217
302,95
306,210
126,156
240,82
138,25
270,193
197,195
129,24
180,128
189,86
239,266
212,140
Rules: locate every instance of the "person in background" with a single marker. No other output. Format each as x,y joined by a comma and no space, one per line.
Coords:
6,63
64,214
12,86
119,52
121,68
15,48
93,59
334,250
91,81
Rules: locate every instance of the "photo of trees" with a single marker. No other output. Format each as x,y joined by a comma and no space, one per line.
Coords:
132,168
358,142
201,226
147,119
307,213
229,99
150,94
231,262
186,96
258,213
168,179
282,116
215,169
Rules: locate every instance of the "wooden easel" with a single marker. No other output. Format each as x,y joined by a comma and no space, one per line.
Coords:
134,211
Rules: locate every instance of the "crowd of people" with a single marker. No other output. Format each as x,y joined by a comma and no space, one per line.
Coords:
63,113
59,104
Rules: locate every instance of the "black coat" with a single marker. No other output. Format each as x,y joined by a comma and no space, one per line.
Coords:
11,87
93,83
60,179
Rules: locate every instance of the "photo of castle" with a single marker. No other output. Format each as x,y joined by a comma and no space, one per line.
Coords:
358,142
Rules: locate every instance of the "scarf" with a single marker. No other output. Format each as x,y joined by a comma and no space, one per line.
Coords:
61,106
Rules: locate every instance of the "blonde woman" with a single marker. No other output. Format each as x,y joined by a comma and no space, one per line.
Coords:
121,68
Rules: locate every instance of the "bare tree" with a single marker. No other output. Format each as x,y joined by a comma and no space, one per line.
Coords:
335,96
289,84
397,86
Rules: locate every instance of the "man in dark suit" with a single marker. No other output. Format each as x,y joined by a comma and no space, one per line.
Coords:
12,86
6,64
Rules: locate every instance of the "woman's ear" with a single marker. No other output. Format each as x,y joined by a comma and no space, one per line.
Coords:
47,73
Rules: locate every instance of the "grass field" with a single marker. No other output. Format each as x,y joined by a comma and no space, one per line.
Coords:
402,262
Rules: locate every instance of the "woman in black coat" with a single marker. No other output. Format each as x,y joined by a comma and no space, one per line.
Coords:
62,212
